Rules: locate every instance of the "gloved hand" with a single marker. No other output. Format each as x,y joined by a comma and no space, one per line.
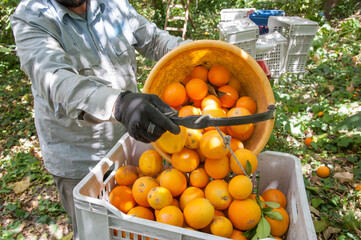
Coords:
140,112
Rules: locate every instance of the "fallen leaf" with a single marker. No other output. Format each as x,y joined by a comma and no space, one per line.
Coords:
331,88
329,231
68,237
350,88
344,176
314,210
21,186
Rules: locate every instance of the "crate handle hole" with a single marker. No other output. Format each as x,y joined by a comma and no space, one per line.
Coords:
294,208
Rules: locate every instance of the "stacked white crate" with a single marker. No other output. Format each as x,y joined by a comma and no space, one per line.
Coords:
231,14
272,47
299,33
242,33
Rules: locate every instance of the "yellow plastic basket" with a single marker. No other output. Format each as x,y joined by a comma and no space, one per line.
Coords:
176,65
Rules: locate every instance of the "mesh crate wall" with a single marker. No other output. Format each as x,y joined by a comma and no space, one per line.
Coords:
275,54
299,33
242,33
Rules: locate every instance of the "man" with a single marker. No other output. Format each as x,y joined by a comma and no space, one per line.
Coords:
80,57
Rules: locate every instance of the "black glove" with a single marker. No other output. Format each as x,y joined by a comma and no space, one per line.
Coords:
137,111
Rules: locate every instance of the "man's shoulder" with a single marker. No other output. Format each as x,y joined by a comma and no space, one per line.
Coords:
34,7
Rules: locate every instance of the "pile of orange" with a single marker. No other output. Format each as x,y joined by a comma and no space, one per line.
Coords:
215,92
205,188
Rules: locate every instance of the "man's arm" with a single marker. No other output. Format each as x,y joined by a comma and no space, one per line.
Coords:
56,80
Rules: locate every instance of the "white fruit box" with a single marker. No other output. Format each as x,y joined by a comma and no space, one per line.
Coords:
242,33
230,14
97,218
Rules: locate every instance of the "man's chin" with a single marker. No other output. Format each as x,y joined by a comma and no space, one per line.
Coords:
71,3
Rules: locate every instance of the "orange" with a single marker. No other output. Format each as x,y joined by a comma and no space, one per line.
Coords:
174,181
199,178
320,114
212,146
171,215
237,235
188,195
253,197
195,103
247,103
171,143
234,82
243,136
323,171
235,144
358,187
202,158
121,197
186,160
174,94
229,97
217,193
215,113
239,129
186,80
275,195
221,226
240,187
189,110
200,72
243,155
308,141
211,101
279,227
140,189
159,197
217,168
126,175
218,213
219,75
150,163
244,214
193,138
196,89
141,212
198,213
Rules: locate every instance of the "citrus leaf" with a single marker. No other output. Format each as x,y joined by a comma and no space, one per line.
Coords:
273,204
275,215
248,167
317,202
263,228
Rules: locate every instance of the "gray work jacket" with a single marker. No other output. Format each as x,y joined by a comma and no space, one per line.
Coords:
78,65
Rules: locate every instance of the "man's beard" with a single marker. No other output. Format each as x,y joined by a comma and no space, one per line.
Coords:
71,3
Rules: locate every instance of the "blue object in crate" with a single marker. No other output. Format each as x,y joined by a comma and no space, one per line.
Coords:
260,17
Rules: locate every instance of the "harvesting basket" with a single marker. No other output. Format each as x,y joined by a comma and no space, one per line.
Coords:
176,65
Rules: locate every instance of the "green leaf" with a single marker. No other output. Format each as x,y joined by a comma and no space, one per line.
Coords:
320,225
350,123
273,204
248,168
316,202
275,215
263,228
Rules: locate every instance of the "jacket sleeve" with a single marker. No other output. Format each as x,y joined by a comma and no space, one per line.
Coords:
65,91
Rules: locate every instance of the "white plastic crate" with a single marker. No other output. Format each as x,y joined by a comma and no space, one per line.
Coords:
97,218
272,47
230,14
299,33
242,33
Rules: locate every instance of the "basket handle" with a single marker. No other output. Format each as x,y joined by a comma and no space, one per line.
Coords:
203,121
